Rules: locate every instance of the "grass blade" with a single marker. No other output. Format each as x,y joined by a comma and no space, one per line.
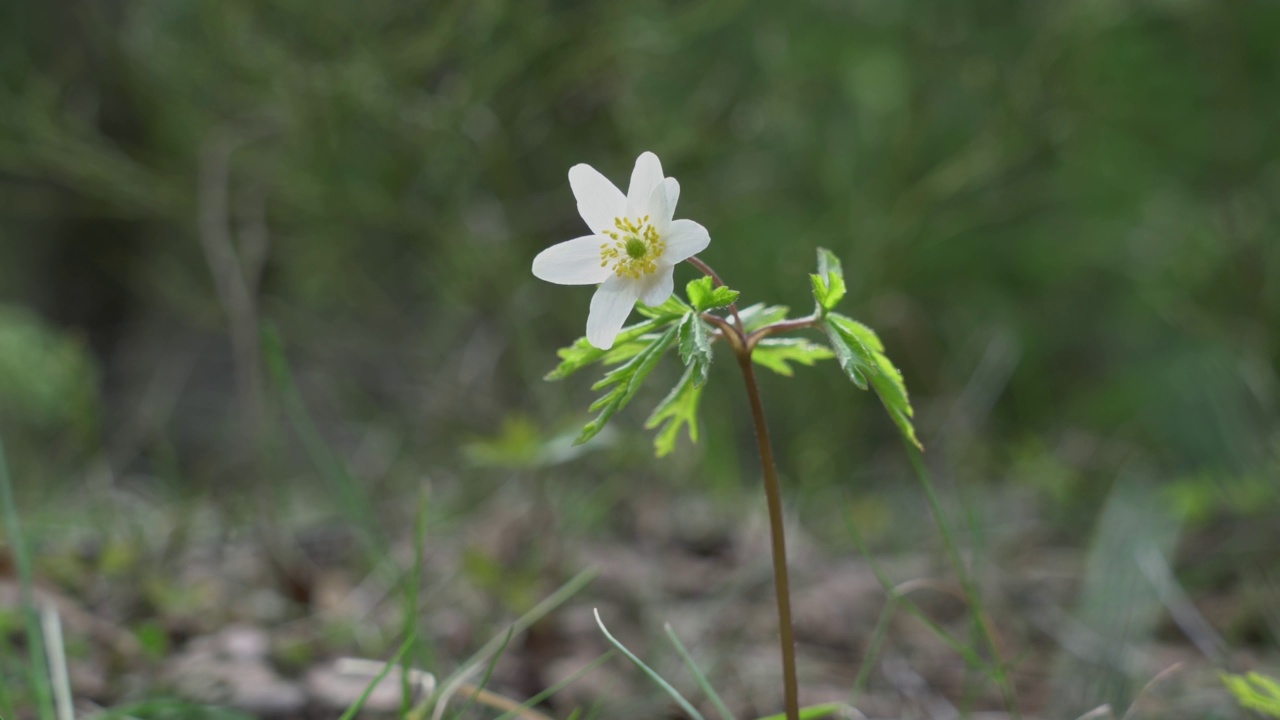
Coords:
539,611
974,596
386,668
964,651
698,675
488,673
527,704
52,626
354,503
653,675
35,643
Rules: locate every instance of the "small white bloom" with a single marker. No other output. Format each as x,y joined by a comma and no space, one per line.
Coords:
634,247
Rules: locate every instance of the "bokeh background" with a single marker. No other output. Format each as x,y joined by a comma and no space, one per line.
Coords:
1062,217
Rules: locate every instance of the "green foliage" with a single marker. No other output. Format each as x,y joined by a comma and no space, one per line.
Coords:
695,346
624,382
759,315
776,353
861,356
409,170
673,308
828,283
48,381
582,354
1255,691
854,357
521,443
813,712
638,349
857,347
679,409
703,296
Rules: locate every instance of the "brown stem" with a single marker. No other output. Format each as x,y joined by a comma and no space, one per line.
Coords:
781,326
773,496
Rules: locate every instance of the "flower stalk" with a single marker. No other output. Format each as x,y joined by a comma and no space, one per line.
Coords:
777,537
743,345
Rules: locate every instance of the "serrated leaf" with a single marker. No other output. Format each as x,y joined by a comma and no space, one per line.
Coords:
893,393
673,308
625,351
855,358
759,315
704,296
624,381
861,355
828,263
827,290
695,345
828,283
679,409
582,353
776,353
864,334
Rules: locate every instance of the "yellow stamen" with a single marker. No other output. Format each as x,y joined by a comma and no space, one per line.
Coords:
634,248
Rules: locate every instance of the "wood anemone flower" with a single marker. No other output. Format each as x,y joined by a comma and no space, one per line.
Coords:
633,249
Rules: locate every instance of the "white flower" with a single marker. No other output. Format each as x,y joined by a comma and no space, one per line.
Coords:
634,247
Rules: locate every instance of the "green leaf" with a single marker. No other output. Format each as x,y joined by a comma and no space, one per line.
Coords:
759,315
624,381
677,410
861,356
829,264
828,283
706,297
775,353
893,393
855,357
1255,691
582,353
813,712
863,334
695,346
673,308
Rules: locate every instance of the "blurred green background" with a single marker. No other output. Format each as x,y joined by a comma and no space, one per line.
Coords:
1061,216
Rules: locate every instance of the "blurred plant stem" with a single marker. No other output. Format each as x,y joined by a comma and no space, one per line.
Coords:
26,583
736,335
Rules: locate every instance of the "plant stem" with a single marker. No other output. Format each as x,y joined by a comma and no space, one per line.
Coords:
742,344
773,496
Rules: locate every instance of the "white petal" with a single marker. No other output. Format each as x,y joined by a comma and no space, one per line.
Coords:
660,211
646,176
684,238
599,201
610,307
573,262
659,286
673,192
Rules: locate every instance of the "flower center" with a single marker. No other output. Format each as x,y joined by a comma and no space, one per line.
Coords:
634,248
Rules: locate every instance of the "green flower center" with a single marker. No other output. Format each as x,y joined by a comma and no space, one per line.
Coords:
634,248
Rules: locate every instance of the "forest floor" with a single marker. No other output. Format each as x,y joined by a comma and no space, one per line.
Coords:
293,622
